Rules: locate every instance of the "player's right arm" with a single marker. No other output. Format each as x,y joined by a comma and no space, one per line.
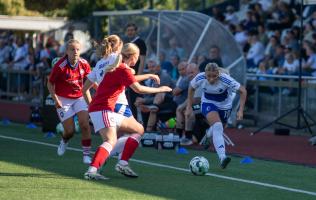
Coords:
138,88
86,90
51,88
91,81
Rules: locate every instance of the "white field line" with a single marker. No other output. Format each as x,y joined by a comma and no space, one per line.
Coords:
179,169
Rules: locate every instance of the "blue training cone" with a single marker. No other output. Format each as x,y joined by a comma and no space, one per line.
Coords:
50,135
5,122
31,125
246,160
182,150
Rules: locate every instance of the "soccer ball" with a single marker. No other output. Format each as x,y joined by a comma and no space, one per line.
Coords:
59,128
199,165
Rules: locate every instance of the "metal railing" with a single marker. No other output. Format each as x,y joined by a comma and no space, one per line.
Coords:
20,85
277,100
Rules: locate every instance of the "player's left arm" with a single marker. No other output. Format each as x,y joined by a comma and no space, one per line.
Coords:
143,77
243,96
141,64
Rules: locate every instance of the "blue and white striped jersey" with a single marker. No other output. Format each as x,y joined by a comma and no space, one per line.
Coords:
220,93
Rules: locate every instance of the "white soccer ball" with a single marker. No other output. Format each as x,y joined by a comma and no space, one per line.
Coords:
199,165
59,128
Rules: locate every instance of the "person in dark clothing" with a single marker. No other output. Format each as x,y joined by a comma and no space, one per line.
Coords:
131,33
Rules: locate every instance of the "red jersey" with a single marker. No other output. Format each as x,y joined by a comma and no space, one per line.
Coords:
68,80
112,85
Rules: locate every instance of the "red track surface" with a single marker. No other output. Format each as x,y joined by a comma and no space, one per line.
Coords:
293,149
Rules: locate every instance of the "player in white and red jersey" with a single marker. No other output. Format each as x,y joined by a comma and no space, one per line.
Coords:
101,109
216,103
110,49
65,86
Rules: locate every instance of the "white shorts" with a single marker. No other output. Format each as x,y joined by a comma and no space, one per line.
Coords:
71,107
105,119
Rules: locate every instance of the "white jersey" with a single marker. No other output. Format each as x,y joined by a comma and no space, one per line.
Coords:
220,94
97,74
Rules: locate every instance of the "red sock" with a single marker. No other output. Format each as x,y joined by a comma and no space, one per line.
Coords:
129,148
86,146
101,155
86,142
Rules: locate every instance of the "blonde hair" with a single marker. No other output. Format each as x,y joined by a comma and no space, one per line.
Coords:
70,42
115,64
128,50
213,67
108,45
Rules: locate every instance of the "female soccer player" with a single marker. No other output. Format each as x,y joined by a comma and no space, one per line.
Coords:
65,86
109,50
216,103
101,109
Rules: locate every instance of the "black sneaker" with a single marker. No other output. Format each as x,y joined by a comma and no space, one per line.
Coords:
225,162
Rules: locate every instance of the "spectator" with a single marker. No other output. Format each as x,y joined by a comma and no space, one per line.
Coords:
175,50
180,92
151,104
256,51
131,33
230,15
214,56
185,122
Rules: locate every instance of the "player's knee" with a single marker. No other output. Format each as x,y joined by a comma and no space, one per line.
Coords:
218,127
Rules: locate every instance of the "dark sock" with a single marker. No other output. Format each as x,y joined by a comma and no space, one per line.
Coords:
188,134
179,131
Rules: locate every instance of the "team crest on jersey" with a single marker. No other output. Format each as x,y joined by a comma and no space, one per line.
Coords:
81,71
61,114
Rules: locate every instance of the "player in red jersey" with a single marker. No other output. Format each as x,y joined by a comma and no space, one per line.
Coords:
65,86
101,109
109,49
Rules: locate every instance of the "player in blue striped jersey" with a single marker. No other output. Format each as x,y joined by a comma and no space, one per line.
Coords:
216,103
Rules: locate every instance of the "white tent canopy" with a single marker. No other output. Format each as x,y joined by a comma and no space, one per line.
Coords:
194,32
26,23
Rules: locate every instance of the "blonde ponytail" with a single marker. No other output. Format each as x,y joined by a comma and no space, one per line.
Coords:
115,64
214,67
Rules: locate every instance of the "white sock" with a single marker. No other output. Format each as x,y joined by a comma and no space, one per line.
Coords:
119,146
209,132
218,140
92,169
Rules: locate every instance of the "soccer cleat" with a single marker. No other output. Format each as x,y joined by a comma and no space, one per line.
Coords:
62,148
94,176
86,159
125,170
225,162
186,142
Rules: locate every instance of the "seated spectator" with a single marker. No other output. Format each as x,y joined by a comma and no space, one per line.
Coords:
309,67
185,123
165,64
175,50
4,54
241,35
175,60
180,92
256,51
149,105
270,49
230,15
290,65
283,17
